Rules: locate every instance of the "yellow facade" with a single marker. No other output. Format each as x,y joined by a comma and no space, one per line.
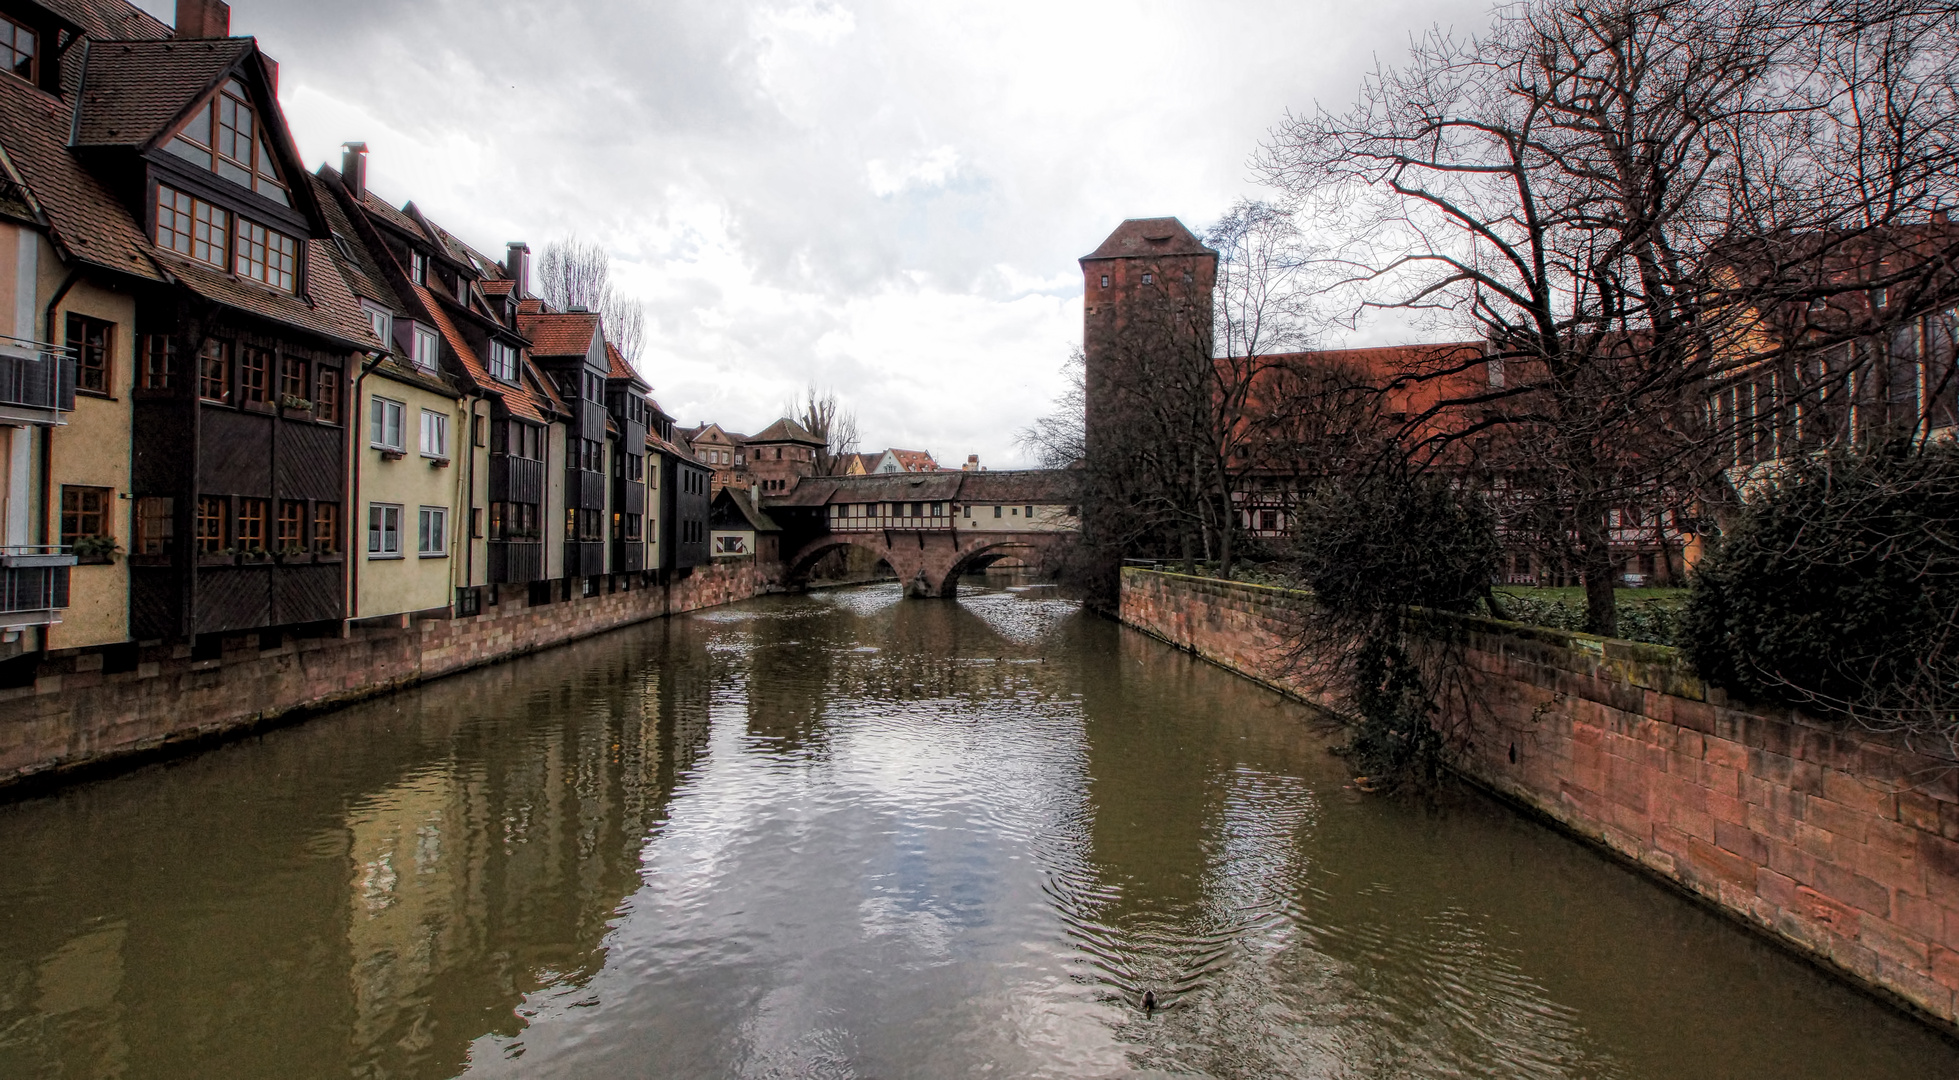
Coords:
91,465
402,561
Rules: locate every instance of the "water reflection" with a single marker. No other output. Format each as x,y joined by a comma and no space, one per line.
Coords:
847,835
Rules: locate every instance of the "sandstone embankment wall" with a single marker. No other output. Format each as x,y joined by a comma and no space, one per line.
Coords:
1842,844
77,713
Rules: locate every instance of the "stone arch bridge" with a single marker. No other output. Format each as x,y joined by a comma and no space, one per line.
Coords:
928,527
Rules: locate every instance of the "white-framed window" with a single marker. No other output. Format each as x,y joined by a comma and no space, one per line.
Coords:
383,531
435,434
503,361
418,268
381,319
432,531
384,421
425,344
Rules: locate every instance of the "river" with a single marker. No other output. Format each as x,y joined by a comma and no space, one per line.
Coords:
851,835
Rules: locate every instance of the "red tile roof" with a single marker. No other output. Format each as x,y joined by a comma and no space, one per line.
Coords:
497,286
110,20
517,399
1149,236
133,89
786,430
914,461
559,333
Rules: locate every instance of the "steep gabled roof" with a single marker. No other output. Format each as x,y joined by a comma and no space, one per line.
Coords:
133,90
364,274
744,512
567,333
621,369
87,219
110,20
521,400
914,461
786,430
1144,237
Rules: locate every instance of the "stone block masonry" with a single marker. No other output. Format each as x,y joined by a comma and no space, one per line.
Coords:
79,713
1841,844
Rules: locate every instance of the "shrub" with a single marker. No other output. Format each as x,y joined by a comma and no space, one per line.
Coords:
1837,589
1372,548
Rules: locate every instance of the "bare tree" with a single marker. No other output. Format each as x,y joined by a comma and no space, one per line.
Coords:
822,416
1621,198
1058,439
575,273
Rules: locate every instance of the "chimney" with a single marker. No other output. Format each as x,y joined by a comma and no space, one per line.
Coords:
353,168
203,19
517,263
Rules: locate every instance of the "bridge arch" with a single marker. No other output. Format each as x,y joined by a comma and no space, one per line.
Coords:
983,550
797,567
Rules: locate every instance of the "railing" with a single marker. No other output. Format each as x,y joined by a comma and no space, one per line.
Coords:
36,375
36,592
514,562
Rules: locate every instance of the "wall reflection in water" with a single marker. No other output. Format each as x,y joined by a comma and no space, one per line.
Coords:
851,835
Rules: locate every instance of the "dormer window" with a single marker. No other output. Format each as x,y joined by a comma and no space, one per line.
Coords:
503,361
381,319
224,136
424,344
19,48
418,268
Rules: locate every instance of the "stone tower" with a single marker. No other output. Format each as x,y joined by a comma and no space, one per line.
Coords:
1146,299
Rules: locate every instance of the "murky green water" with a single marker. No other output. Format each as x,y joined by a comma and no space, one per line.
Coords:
850,835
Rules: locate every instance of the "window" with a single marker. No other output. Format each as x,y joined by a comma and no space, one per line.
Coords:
159,361
1030,511
85,515
432,531
424,346
243,156
214,372
254,375
381,321
635,468
292,527
326,394
156,526
383,531
191,227
292,380
435,434
632,528
248,532
418,268
90,339
996,511
513,521
1105,281
503,361
1149,278
938,509
326,528
266,255
17,48
210,523
384,420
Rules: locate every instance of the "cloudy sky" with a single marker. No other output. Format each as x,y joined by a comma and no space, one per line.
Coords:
884,197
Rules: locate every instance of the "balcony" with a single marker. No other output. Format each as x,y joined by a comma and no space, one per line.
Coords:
33,585
37,381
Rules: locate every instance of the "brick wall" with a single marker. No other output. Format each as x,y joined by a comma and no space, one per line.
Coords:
78,714
1842,844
